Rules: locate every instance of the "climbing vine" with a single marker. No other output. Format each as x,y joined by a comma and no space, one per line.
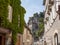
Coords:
18,10
22,19
3,12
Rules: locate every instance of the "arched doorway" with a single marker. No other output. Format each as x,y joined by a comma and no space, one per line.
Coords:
56,39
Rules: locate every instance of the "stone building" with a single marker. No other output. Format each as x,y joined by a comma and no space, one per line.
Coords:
6,34
6,37
52,22
27,36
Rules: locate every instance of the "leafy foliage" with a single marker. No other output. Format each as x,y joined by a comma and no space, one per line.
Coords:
41,24
3,12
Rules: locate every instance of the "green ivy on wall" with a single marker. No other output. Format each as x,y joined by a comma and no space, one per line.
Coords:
22,19
18,10
3,12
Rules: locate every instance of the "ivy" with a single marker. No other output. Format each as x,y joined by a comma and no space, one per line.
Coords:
4,12
22,19
18,10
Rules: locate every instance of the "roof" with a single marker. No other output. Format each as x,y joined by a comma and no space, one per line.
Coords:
28,28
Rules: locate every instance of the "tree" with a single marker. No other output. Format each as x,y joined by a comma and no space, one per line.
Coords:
40,18
41,24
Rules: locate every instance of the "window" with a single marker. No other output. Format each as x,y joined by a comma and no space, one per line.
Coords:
59,11
1,19
59,7
9,13
55,39
18,21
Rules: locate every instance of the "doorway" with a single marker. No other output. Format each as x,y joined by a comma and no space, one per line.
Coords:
2,39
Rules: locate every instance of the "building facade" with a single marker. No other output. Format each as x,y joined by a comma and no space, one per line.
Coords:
27,36
6,33
52,22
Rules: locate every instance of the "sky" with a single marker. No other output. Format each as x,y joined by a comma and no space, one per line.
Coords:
31,7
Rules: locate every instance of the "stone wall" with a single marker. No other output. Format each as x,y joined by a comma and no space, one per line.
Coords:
53,24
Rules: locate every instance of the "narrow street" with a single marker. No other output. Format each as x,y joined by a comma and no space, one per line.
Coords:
29,22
